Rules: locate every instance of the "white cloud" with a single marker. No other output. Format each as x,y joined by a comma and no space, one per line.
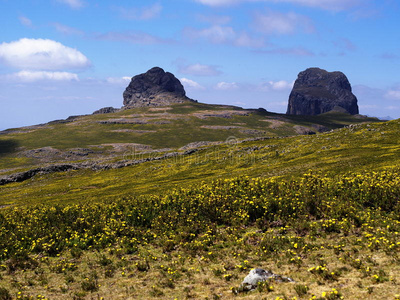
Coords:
224,86
296,51
25,21
345,44
281,85
225,35
134,37
245,40
67,30
40,54
368,106
214,19
393,94
190,84
143,13
118,80
280,23
332,5
72,3
30,76
199,70
216,34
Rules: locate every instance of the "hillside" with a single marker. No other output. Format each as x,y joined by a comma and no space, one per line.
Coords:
103,136
135,218
271,155
322,209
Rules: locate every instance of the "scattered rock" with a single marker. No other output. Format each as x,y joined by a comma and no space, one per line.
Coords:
258,275
93,165
199,144
47,154
252,131
154,88
317,91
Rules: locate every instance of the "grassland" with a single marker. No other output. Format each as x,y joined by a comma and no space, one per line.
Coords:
157,128
337,237
322,209
358,148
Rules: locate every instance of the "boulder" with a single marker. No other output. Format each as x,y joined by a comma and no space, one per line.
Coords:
317,91
154,88
258,275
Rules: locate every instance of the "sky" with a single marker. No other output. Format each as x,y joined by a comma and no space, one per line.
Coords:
71,57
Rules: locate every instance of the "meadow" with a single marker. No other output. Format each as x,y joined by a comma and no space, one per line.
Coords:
336,237
321,209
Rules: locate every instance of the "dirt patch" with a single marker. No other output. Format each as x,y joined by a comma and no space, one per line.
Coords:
219,127
220,114
160,108
275,124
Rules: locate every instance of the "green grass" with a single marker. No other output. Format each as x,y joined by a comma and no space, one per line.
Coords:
366,147
333,236
186,127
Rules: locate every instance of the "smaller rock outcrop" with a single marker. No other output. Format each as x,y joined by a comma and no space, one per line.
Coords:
154,88
317,91
106,110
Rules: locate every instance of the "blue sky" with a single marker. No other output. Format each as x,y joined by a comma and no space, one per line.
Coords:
67,57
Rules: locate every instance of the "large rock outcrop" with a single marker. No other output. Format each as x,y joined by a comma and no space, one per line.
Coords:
317,91
154,88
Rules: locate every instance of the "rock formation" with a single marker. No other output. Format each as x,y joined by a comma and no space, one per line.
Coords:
106,110
154,88
317,91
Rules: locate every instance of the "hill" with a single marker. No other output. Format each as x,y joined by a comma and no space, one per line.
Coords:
322,209
102,136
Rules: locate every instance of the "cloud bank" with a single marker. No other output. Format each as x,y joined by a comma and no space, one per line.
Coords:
31,76
41,54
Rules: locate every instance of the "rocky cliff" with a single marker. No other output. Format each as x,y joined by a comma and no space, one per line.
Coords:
154,88
317,91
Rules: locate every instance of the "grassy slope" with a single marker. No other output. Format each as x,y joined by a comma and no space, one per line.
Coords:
368,146
179,126
336,237
120,245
